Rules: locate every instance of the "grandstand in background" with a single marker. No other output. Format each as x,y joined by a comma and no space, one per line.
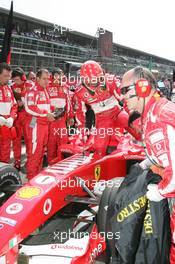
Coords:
37,43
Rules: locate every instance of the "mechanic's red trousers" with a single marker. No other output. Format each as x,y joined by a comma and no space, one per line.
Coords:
36,142
58,135
19,124
6,136
104,130
5,147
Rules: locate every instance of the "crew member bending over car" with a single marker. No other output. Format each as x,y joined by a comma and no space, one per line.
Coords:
158,128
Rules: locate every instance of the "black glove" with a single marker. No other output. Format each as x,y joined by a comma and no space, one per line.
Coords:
133,117
59,112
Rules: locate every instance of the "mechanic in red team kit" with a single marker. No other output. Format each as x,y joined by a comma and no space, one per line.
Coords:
19,89
38,117
8,110
99,93
60,100
158,126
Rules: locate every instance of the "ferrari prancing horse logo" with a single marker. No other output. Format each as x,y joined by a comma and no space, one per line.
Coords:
97,172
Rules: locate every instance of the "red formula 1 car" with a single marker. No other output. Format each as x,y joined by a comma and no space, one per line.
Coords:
63,194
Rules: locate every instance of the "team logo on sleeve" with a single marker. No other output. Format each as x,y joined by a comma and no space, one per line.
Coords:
42,96
159,147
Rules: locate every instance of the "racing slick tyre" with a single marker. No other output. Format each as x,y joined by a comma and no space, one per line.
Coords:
107,196
9,176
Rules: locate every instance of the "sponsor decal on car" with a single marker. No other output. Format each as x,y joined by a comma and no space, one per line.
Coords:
7,221
28,192
97,172
47,206
13,242
66,247
71,248
95,252
14,208
45,180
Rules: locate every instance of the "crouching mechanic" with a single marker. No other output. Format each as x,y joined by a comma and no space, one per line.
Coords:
98,93
38,116
158,128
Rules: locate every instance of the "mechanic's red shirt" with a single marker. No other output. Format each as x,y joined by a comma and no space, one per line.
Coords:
103,102
159,136
37,104
60,98
8,106
19,92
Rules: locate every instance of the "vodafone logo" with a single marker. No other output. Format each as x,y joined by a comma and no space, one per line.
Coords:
14,208
95,252
47,206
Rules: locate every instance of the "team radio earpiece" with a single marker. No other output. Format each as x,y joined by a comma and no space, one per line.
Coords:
19,72
23,78
142,86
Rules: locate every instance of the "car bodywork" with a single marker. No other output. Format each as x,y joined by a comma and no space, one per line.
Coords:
55,187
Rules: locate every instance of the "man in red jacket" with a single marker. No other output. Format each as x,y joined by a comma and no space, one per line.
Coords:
98,92
19,88
60,100
8,109
158,132
38,117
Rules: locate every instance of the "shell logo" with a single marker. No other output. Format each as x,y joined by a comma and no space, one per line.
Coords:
28,192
